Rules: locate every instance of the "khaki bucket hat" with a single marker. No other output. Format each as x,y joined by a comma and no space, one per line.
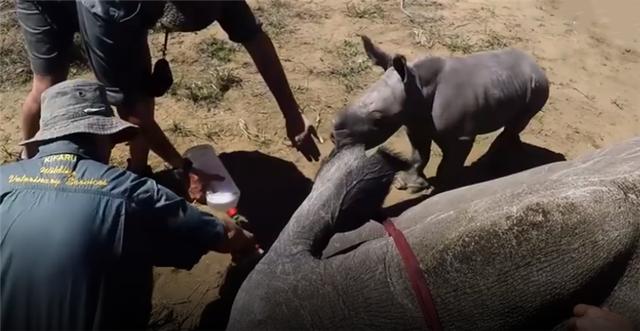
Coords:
79,106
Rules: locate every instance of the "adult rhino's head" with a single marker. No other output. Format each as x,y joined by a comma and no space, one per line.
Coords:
349,190
361,180
381,110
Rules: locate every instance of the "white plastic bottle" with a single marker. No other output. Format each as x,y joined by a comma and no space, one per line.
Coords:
221,195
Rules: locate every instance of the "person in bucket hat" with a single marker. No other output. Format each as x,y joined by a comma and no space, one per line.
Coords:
80,237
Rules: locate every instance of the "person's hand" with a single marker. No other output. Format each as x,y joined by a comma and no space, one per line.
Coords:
198,183
238,242
592,318
301,133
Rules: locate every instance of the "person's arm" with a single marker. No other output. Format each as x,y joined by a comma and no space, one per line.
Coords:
265,57
180,233
238,21
299,130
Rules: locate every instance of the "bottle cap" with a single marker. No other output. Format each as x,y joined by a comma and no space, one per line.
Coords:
232,212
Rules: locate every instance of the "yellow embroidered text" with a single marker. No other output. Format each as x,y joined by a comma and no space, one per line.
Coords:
60,157
23,179
59,170
99,182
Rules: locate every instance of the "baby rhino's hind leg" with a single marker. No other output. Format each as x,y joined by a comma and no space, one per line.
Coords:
510,136
454,154
509,139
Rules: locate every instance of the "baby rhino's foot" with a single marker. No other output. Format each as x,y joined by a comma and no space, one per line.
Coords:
410,181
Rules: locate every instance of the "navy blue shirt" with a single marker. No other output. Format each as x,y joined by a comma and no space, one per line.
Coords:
78,240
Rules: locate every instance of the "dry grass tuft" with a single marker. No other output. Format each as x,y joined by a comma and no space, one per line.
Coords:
210,91
352,64
365,9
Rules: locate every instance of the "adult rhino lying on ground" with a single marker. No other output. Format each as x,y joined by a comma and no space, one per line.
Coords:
512,253
447,100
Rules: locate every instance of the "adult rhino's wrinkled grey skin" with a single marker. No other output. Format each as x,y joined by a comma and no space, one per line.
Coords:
447,100
512,253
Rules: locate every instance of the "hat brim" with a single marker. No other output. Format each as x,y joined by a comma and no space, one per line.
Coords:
115,127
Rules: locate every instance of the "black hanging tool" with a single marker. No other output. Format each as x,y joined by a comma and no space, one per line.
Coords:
161,77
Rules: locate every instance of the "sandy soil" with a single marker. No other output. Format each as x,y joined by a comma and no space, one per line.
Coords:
590,50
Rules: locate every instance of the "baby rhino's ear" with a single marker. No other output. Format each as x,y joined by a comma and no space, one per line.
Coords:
378,56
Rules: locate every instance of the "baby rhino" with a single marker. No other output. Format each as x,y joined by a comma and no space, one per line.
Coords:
447,100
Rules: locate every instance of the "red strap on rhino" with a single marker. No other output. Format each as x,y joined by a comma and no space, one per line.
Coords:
416,276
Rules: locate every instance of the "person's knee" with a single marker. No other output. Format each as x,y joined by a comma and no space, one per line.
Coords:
139,113
40,84
43,82
32,102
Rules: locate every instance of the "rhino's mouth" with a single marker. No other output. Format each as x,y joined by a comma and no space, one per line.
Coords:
342,138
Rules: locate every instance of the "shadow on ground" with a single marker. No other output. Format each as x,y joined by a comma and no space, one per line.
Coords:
490,166
271,191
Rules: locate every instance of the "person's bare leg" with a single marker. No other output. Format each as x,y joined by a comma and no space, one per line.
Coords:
48,37
31,107
141,113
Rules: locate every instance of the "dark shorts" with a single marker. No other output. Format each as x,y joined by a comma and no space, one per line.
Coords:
115,37
48,28
115,34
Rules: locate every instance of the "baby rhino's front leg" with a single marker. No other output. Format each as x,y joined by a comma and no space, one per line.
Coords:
414,179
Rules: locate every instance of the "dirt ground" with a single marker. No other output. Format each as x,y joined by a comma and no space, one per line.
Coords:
590,50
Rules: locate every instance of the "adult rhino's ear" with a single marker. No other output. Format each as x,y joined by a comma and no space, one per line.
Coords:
378,56
400,65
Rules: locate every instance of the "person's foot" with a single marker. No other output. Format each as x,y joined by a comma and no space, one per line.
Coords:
411,182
